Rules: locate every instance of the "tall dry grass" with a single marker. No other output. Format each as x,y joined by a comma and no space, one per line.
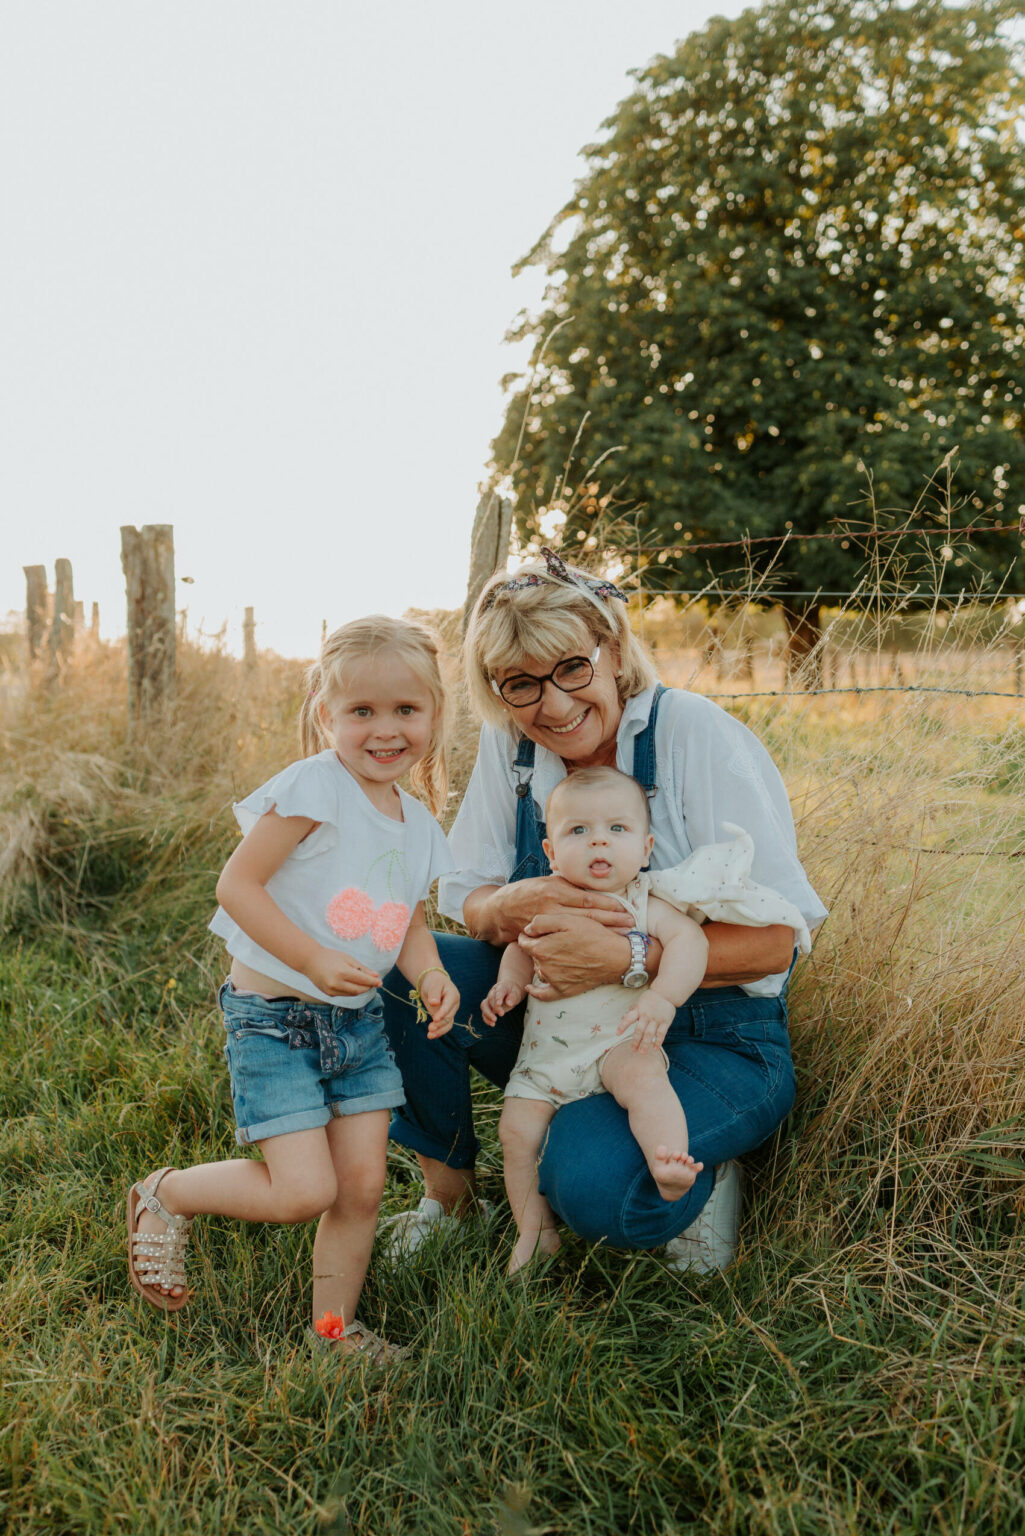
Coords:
858,1371
910,814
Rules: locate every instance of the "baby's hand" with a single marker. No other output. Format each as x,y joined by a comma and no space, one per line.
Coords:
503,996
338,975
440,998
652,1015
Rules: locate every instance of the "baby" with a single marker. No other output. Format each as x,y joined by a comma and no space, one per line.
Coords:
608,1040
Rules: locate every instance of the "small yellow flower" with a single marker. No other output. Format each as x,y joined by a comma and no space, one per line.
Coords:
171,984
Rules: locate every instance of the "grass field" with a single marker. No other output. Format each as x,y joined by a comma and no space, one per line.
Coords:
859,1370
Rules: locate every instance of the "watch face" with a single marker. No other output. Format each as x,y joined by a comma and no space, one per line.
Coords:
635,978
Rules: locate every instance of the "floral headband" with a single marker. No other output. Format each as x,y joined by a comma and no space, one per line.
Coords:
556,571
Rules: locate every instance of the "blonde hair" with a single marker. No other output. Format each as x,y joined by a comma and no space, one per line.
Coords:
596,778
544,622
370,637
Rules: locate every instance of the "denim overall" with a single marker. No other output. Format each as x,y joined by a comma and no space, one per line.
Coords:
729,1063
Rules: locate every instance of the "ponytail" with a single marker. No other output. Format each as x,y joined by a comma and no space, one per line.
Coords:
429,777
312,737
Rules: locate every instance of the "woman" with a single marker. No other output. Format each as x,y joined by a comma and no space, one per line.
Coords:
562,683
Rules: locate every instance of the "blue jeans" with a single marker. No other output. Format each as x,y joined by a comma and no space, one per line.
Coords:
730,1066
295,1066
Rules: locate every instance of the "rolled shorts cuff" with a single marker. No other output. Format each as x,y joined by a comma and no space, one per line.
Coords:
403,1134
390,1100
315,1119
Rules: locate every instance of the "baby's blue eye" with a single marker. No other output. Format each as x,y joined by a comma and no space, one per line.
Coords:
617,826
361,711
407,709
576,830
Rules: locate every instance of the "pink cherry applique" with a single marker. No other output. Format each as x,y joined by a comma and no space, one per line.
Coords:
350,913
390,923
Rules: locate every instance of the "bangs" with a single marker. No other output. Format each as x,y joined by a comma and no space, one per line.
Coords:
543,622
544,637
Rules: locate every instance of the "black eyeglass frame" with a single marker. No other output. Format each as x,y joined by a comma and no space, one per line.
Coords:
549,677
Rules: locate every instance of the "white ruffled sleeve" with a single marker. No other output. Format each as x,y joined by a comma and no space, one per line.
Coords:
439,858
483,836
301,789
726,775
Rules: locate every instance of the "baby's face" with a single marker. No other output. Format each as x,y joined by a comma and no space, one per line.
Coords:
598,837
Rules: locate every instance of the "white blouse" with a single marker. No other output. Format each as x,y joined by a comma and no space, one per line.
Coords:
711,769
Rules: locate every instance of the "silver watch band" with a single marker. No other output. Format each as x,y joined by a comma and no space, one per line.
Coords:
636,974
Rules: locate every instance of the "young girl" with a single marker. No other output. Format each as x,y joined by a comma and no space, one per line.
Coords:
320,898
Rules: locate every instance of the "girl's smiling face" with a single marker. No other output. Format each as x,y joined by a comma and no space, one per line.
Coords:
380,722
580,727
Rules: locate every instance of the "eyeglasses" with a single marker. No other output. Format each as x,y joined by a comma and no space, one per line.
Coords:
569,676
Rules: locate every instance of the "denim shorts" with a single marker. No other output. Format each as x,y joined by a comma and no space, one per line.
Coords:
295,1065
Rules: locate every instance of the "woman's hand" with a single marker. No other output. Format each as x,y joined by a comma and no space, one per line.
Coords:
501,913
573,953
339,975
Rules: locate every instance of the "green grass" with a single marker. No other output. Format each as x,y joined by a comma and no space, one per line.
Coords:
859,1370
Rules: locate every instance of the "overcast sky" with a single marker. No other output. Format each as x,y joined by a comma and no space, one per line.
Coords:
254,276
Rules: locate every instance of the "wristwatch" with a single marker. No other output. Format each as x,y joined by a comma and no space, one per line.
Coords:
635,974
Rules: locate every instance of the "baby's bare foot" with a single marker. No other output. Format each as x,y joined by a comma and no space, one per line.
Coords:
673,1172
530,1244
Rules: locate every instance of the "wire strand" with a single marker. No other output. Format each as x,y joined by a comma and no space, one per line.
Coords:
813,693
684,546
866,597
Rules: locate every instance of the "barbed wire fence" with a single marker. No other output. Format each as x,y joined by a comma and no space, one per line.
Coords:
884,607
866,605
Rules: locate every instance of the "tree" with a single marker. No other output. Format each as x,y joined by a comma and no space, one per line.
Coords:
799,246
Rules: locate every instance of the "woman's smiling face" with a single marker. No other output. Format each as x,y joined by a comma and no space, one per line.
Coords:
579,727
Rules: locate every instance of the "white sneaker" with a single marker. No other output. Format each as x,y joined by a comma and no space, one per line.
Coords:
428,1222
710,1243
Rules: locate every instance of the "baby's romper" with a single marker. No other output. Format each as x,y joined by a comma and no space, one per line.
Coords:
564,1041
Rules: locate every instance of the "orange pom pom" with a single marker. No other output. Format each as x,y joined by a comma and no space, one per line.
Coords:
329,1326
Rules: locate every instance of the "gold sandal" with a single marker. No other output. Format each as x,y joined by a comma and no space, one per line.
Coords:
369,1346
157,1258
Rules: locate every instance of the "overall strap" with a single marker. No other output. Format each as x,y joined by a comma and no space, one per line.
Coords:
530,859
645,764
523,767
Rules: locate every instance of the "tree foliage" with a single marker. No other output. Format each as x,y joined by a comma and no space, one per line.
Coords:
799,246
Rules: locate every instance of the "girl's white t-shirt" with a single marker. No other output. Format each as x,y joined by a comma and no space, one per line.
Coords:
711,770
353,883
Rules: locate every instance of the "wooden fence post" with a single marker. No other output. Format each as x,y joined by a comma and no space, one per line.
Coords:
147,559
35,609
489,546
94,622
249,640
62,629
